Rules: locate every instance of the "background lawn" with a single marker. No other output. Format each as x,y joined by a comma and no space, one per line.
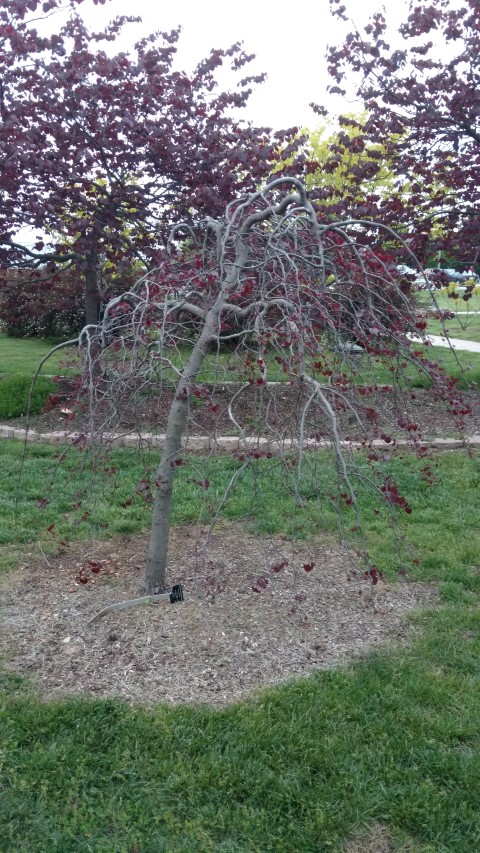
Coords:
444,302
23,355
464,326
81,501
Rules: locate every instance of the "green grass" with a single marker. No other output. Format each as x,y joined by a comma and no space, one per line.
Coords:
393,739
465,366
23,355
446,303
17,397
82,501
466,327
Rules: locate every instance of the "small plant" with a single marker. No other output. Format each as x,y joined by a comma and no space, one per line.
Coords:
15,393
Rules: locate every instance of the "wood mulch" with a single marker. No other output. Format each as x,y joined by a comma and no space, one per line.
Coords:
218,646
225,640
277,408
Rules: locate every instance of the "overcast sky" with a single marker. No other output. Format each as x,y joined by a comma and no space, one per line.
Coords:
289,41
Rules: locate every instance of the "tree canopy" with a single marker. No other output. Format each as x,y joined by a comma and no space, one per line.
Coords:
293,297
420,88
337,175
105,151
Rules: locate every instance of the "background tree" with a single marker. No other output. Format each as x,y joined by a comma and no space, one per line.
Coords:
107,151
337,176
301,290
420,90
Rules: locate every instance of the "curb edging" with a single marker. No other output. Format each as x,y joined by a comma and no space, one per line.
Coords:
199,443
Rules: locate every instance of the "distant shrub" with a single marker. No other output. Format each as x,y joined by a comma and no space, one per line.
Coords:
14,394
32,305
45,304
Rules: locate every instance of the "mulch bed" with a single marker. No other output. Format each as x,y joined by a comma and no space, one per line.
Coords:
220,644
225,640
277,408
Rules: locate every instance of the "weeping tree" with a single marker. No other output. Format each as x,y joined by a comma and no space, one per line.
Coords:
266,292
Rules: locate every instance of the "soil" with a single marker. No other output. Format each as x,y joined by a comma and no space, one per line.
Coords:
378,839
216,647
273,409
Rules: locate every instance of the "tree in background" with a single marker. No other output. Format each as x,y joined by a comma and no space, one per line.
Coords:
338,177
421,93
105,152
31,306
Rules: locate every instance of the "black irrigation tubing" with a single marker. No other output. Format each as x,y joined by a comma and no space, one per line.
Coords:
172,597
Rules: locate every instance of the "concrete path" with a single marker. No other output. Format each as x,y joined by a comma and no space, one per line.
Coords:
451,343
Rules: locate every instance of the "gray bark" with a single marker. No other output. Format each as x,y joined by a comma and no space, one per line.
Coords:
92,293
155,573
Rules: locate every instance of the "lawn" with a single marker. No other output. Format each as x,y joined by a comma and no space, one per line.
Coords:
80,502
466,327
392,740
443,301
23,355
465,366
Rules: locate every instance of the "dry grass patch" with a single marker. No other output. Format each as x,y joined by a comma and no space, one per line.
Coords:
378,839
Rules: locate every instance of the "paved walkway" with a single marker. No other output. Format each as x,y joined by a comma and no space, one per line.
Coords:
450,343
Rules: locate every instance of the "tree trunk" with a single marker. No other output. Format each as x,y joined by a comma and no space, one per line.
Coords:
92,292
155,573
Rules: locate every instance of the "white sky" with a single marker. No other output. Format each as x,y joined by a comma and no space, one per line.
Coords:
289,41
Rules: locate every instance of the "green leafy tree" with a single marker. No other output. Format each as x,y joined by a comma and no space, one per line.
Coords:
348,174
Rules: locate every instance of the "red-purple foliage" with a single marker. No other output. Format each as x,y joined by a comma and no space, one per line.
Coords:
284,290
105,151
34,306
421,93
